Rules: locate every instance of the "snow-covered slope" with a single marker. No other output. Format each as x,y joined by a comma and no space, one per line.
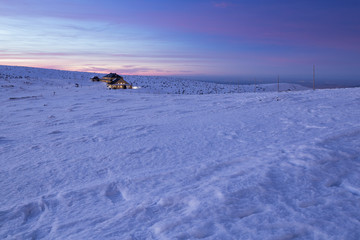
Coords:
173,85
144,84
89,163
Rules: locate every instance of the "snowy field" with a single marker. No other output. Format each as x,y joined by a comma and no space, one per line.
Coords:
90,163
145,84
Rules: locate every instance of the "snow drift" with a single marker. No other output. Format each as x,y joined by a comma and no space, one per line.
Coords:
89,163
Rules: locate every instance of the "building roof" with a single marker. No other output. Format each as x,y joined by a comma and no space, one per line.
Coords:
112,75
119,80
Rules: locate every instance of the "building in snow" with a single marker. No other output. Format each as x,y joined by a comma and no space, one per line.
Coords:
119,83
110,77
114,81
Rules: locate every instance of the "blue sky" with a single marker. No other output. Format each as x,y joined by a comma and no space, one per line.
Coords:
204,37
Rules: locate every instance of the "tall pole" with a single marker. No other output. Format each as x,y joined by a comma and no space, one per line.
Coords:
255,85
314,77
278,83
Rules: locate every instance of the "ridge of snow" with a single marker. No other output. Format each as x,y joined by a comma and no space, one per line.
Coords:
146,84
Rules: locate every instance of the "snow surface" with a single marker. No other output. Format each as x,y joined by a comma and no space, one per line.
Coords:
90,163
144,84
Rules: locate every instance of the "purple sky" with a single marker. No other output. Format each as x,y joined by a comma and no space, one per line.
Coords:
249,38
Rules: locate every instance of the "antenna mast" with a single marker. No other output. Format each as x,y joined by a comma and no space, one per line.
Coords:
255,85
314,77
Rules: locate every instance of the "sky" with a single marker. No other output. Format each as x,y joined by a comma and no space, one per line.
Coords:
244,38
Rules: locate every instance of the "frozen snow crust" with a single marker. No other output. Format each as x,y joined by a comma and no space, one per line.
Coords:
90,163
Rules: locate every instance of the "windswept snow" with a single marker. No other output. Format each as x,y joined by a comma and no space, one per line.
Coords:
90,163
